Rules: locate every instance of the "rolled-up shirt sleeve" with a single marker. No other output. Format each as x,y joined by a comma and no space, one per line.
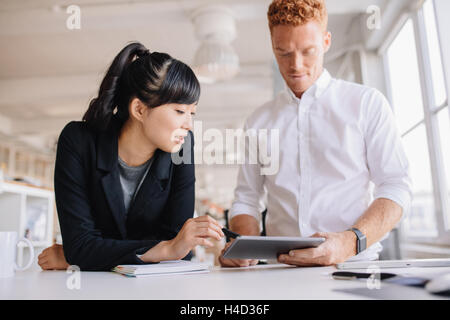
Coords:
249,191
386,158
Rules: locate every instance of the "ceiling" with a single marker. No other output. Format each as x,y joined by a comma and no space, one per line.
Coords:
49,73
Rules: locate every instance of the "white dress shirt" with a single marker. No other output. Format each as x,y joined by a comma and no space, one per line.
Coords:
334,141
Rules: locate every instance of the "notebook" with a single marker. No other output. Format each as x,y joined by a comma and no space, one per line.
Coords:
162,268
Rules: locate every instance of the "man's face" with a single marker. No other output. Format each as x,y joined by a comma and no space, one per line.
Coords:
300,52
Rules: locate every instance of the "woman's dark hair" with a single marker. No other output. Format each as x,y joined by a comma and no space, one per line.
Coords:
154,78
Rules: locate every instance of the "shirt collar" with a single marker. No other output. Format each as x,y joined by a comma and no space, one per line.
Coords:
317,88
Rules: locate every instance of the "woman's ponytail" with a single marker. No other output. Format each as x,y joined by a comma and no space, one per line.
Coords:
101,109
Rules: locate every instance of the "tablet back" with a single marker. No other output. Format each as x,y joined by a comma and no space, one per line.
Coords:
246,247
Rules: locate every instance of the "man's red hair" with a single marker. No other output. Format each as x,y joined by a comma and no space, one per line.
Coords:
297,13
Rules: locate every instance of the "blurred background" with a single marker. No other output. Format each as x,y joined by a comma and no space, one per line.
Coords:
55,53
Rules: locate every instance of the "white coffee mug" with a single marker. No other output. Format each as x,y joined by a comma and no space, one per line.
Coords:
8,250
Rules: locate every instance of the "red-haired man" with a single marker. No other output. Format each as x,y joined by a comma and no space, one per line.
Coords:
336,138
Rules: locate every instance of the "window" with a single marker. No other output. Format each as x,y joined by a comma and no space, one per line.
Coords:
421,219
440,96
419,99
405,80
407,102
444,126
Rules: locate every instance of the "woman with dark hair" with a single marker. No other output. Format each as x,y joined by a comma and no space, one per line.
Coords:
120,197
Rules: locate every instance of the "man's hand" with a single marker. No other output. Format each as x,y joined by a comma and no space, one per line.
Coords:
235,262
337,248
245,225
53,258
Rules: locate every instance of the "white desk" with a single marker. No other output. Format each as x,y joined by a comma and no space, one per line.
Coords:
263,282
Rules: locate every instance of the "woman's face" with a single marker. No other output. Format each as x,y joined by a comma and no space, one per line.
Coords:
167,125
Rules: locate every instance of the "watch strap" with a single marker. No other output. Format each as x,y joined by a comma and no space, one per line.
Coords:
361,241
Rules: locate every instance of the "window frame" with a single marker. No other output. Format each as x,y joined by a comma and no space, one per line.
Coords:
431,111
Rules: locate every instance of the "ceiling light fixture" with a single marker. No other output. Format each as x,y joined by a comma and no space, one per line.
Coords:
215,59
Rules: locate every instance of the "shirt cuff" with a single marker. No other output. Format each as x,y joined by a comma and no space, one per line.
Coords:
240,208
399,196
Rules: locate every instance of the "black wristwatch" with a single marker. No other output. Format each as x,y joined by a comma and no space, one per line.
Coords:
361,242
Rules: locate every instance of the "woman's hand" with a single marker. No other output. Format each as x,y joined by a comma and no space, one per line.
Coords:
194,232
53,258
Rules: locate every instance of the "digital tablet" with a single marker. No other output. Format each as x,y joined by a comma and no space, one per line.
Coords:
250,247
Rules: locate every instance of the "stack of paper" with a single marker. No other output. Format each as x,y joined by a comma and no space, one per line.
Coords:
161,268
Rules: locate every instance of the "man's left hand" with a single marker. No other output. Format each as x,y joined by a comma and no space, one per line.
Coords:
337,248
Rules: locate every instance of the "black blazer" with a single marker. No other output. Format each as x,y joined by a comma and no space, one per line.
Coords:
97,233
